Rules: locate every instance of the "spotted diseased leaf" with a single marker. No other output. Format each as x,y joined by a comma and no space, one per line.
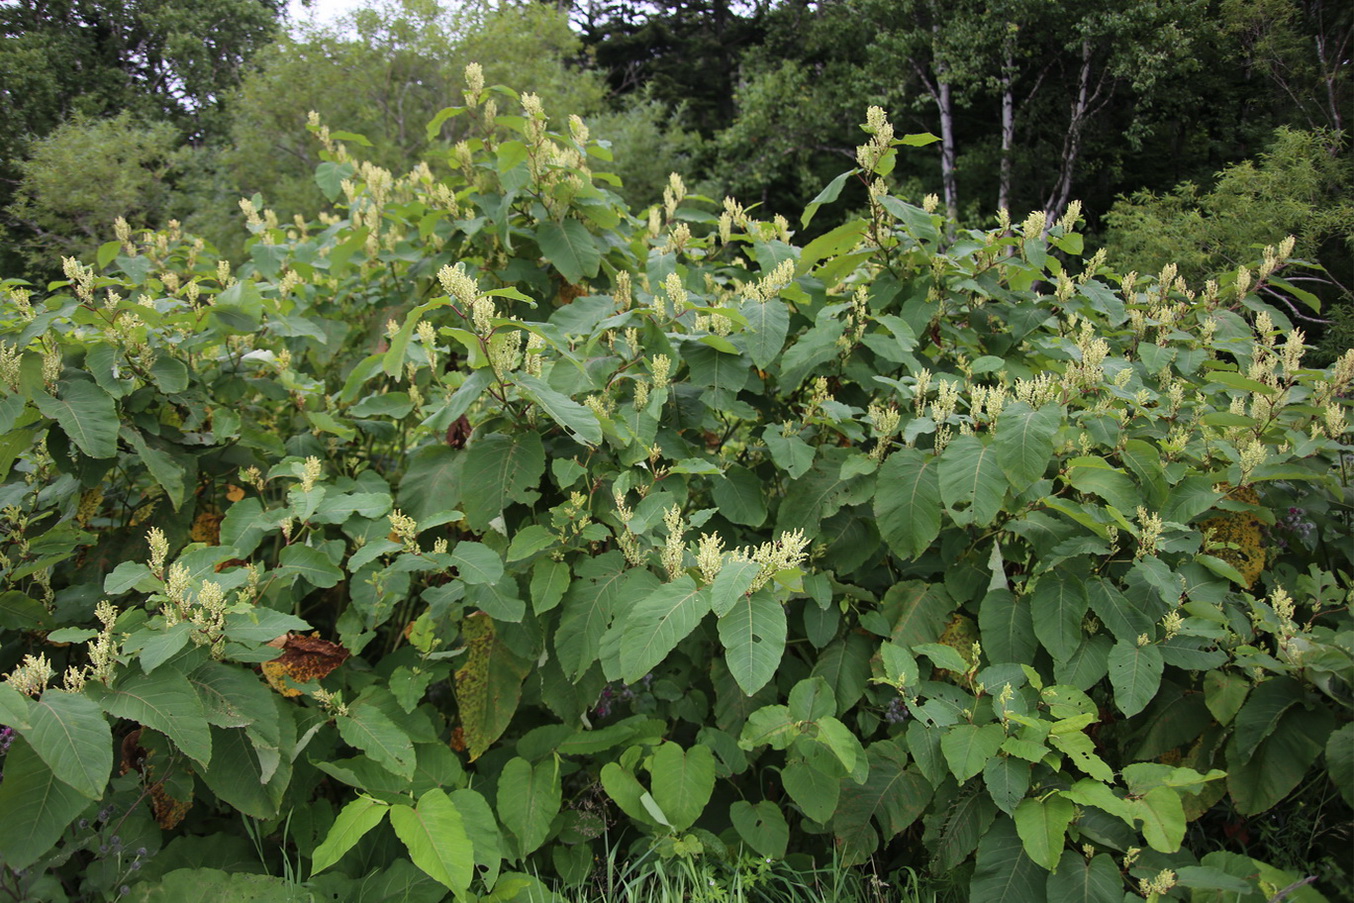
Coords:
488,685
304,658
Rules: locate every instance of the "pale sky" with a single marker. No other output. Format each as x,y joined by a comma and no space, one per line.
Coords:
323,10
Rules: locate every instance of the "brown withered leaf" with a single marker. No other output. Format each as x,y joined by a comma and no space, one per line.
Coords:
569,291
133,755
303,659
171,793
1239,535
206,528
459,432
169,810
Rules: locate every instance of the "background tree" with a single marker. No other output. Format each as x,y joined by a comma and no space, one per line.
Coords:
172,61
87,173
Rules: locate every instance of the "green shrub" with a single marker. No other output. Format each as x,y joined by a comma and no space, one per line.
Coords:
480,523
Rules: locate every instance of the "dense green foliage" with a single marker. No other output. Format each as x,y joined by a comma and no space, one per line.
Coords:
476,526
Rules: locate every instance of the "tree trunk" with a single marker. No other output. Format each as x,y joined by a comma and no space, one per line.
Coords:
1061,195
1007,130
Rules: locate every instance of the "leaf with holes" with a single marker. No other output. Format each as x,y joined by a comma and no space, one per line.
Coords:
762,827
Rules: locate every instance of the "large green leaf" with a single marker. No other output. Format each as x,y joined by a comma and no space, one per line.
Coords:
369,729
707,366
968,747
165,468
234,697
1116,611
771,724
682,782
164,701
588,606
482,827
1024,442
246,774
476,563
1264,707
753,633
830,193
1082,880
1042,824
762,827
907,502
892,797
1007,627
1007,779
352,824
813,790
768,323
499,469
741,497
1058,606
971,478
1135,674
69,732
578,420
213,885
432,481
845,665
436,839
658,622
571,248
39,807
627,792
309,563
86,414
1094,475
1340,761
1274,768
1163,818
1003,873
528,800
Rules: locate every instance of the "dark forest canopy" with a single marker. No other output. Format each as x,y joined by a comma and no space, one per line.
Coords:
1035,102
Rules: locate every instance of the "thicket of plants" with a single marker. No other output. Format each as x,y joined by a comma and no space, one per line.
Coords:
478,528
